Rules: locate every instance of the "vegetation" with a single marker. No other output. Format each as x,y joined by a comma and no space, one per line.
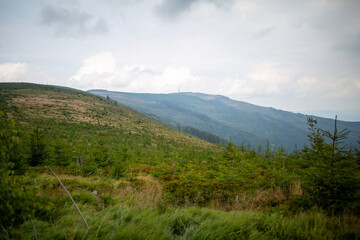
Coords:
330,178
202,135
134,178
244,123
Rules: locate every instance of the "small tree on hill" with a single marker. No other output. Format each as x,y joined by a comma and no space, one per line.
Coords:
330,177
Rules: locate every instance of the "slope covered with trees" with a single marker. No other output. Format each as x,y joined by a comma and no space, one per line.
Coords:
133,178
241,122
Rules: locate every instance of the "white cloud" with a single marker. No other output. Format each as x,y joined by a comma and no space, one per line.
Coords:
12,72
270,79
267,79
101,63
101,71
23,72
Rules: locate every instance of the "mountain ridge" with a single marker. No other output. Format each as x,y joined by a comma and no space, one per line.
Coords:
77,114
242,122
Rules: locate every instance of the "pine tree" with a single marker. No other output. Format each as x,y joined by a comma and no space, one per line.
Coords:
330,177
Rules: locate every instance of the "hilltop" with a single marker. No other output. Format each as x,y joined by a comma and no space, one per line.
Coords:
243,123
84,121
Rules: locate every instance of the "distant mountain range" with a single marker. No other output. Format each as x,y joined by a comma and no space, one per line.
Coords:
243,123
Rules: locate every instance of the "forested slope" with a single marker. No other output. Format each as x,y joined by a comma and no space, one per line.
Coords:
241,122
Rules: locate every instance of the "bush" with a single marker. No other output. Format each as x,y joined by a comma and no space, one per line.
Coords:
118,170
89,168
191,192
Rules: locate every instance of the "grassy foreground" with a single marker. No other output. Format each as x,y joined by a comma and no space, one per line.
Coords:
125,222
132,209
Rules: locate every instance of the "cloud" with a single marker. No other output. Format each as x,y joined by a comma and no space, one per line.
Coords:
101,71
270,79
103,62
23,72
72,22
351,46
263,33
171,9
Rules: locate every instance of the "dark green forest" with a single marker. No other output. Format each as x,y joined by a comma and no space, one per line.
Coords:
135,178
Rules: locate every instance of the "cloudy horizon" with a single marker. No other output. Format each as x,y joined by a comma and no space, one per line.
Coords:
299,56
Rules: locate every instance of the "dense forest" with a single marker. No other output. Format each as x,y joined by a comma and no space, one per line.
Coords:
134,178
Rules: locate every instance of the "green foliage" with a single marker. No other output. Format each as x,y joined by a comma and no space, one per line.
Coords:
62,153
90,167
231,154
192,192
18,201
126,222
118,169
119,166
330,177
38,151
12,155
202,135
100,154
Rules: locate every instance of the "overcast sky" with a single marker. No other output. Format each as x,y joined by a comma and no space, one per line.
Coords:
300,56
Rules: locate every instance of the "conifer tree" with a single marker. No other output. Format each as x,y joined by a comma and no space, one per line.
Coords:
330,177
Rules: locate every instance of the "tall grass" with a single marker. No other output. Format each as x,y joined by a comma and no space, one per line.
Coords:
192,223
132,209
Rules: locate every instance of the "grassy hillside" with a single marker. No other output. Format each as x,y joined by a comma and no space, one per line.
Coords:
244,123
134,178
84,121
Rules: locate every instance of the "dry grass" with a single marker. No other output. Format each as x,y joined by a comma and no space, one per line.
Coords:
83,108
258,200
296,188
143,191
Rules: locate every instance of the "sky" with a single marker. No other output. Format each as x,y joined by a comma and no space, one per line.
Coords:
300,56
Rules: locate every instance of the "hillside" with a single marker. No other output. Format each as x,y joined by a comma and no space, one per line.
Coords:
84,120
135,178
241,122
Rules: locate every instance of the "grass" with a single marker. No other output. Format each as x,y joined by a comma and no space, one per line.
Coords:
191,223
131,209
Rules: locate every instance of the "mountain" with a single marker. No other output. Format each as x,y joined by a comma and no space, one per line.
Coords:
85,125
242,122
124,170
